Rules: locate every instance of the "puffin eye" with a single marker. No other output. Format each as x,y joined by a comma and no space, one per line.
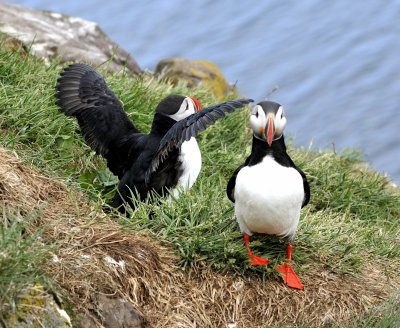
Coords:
257,114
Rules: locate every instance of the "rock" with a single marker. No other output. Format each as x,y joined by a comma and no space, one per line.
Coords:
37,308
118,313
87,320
11,44
195,72
51,35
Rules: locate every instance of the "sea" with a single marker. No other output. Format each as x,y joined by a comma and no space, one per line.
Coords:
334,65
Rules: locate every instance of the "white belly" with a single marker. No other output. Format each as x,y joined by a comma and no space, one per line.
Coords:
268,198
190,158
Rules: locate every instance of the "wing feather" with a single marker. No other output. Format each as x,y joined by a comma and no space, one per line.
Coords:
81,92
190,127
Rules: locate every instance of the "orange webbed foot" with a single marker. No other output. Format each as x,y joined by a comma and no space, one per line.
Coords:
256,260
289,276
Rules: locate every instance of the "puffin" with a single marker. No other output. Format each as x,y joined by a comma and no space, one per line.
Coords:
269,190
164,161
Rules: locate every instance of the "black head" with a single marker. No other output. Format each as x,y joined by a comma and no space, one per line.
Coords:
178,107
267,121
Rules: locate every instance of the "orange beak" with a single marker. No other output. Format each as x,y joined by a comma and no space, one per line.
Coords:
270,130
197,104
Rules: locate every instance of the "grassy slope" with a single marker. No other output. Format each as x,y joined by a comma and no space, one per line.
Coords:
352,218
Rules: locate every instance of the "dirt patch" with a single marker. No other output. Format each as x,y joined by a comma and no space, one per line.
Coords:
95,256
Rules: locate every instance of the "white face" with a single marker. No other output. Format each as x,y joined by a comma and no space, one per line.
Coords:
187,108
259,120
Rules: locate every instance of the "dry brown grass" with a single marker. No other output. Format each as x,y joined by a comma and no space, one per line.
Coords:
95,256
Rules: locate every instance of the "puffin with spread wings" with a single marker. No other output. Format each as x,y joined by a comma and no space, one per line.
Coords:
269,190
162,161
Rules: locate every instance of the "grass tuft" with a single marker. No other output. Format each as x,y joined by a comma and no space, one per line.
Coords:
20,257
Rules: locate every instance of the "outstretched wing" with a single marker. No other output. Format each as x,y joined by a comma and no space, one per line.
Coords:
189,127
82,93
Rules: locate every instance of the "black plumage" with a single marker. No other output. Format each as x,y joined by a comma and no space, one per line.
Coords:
142,162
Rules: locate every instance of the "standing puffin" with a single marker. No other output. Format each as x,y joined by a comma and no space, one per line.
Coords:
164,159
268,189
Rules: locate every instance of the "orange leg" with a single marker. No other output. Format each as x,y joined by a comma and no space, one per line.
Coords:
289,276
254,260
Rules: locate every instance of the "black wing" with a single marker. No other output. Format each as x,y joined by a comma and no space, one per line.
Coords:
306,187
82,93
189,127
230,188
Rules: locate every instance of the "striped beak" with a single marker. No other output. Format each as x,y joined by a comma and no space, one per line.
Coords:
270,128
197,104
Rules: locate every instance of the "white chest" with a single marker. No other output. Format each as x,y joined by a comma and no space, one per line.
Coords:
268,198
190,158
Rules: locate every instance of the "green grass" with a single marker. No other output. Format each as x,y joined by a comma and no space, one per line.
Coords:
353,216
386,315
20,257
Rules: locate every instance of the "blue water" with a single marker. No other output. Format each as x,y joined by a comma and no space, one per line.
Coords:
336,63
